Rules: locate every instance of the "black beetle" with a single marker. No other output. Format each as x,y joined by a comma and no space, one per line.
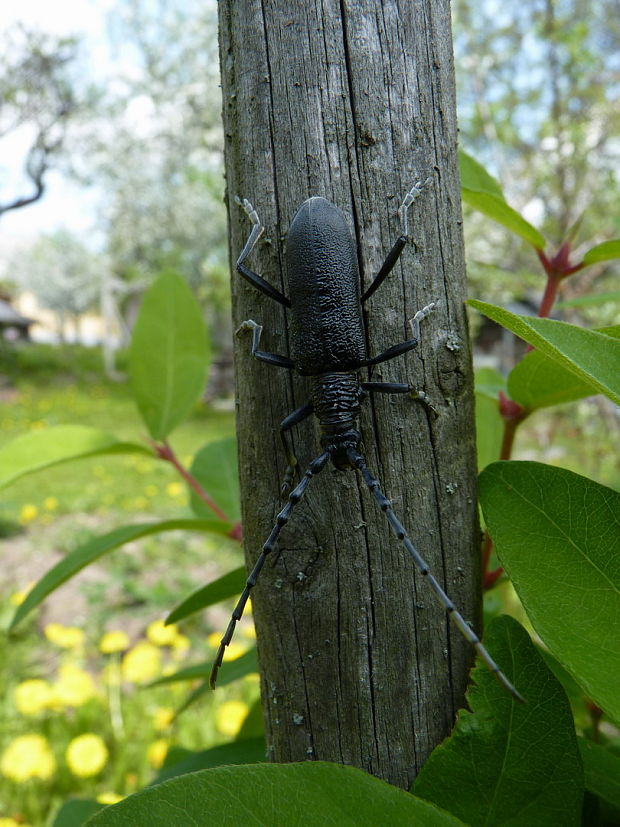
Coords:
328,343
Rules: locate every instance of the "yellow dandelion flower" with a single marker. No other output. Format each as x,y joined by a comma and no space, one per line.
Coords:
151,490
142,663
161,635
68,637
32,696
74,686
174,489
163,718
114,641
181,644
107,798
156,753
28,513
214,639
86,755
28,756
10,822
248,632
17,598
50,503
230,716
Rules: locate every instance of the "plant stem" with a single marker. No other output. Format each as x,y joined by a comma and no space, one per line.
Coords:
164,451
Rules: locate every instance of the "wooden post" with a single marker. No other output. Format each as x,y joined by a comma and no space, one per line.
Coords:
354,101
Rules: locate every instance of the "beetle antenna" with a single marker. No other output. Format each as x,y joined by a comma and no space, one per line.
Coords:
468,633
315,467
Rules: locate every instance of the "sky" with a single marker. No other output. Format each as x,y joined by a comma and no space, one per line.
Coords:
64,204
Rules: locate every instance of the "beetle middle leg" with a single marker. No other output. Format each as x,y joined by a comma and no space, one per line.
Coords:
403,347
271,358
315,467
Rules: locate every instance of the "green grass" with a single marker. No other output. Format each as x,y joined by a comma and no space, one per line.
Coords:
127,589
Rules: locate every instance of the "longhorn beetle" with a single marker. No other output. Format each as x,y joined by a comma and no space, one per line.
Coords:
328,344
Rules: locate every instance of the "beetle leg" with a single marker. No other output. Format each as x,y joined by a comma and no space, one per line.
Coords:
422,567
287,423
315,467
253,278
394,254
271,358
403,347
401,387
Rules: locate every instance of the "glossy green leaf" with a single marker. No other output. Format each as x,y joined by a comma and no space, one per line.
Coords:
75,812
247,751
508,762
309,794
538,381
606,251
557,534
496,208
489,423
224,587
601,769
86,554
230,671
169,355
475,177
215,468
62,443
593,357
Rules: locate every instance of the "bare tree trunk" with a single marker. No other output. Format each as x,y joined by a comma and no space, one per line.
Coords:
354,101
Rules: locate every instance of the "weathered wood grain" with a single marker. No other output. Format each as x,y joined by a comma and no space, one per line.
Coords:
354,101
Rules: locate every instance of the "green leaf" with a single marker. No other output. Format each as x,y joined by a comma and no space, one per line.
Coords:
508,762
496,208
82,556
309,794
215,468
538,381
606,251
593,357
489,423
169,355
557,534
601,769
75,812
590,299
247,751
221,589
230,671
475,177
50,446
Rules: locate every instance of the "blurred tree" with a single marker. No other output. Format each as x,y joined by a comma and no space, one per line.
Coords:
538,87
65,276
37,98
157,150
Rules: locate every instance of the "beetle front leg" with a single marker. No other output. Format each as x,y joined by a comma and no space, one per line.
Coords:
287,423
401,387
